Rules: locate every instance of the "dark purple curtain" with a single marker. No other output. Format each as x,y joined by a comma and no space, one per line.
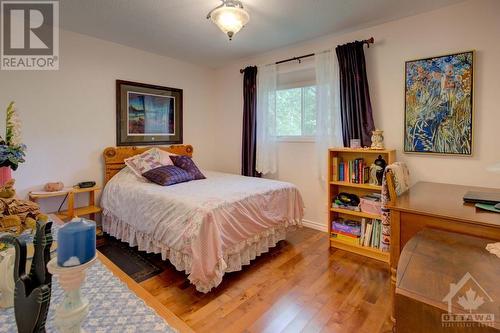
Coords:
249,138
357,117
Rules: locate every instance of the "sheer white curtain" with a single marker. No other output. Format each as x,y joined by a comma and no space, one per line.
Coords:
267,152
328,117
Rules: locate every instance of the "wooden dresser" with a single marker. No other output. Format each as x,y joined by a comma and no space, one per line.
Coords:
438,206
447,282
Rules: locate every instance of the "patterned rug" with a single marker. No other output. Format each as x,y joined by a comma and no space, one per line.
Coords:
112,308
137,264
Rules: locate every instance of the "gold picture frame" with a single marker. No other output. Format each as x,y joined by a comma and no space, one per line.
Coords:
439,105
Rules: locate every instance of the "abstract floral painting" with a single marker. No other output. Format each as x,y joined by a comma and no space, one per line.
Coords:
439,104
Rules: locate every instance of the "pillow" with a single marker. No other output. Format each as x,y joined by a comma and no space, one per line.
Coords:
165,157
146,161
167,175
186,163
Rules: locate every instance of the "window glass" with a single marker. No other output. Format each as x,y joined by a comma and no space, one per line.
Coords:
296,111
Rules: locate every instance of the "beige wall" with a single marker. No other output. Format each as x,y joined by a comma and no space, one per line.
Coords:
469,25
69,115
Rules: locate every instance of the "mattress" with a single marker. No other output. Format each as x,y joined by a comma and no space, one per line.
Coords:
204,227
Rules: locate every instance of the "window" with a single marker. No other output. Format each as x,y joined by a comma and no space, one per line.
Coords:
296,112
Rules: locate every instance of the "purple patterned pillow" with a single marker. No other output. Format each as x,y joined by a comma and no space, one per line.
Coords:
167,175
187,164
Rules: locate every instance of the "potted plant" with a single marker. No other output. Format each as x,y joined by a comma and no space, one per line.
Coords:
12,151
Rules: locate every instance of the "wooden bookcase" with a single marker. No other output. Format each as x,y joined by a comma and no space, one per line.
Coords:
335,186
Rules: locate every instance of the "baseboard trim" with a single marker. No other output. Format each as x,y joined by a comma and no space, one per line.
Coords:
314,225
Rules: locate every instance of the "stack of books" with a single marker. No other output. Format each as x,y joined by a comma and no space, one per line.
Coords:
347,231
356,171
368,232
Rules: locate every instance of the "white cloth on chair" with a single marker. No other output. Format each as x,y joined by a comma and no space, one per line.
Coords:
494,248
401,177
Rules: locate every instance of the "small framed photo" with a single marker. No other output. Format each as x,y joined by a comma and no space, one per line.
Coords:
355,143
147,114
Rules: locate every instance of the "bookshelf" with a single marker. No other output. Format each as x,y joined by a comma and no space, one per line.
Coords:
336,186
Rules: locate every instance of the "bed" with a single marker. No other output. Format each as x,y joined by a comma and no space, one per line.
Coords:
204,227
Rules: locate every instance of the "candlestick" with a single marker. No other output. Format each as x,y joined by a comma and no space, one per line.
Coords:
76,242
71,313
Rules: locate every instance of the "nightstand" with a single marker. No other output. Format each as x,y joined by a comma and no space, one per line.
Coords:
71,211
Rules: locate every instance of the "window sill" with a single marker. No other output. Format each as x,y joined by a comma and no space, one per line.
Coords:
296,139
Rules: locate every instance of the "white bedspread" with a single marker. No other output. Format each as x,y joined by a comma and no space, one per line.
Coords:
204,227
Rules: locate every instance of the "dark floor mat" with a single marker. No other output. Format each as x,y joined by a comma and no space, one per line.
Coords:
137,264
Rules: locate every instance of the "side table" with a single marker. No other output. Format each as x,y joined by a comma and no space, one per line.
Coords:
91,209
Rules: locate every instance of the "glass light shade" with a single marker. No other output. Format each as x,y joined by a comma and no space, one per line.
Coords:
230,19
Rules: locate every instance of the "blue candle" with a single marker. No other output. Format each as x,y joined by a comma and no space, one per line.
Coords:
76,242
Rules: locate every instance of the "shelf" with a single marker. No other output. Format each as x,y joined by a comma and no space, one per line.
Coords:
362,150
355,185
77,189
79,211
362,250
42,195
355,213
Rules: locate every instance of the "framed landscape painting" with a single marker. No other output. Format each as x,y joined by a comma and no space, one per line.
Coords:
147,114
439,104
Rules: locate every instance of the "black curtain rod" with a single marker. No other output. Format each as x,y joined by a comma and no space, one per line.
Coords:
366,41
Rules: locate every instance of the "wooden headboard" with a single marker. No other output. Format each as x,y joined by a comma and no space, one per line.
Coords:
114,156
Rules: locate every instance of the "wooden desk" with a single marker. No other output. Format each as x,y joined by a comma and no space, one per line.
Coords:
438,206
429,263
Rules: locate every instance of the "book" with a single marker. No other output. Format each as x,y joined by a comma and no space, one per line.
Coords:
347,234
341,171
376,234
381,237
355,171
372,236
355,174
363,227
349,227
346,239
373,242
335,163
366,176
368,234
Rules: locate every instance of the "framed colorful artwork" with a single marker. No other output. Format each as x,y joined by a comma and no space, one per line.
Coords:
439,104
147,114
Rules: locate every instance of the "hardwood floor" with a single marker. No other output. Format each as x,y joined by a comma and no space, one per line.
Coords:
299,286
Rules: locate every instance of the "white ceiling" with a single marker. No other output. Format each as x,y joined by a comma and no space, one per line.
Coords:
179,28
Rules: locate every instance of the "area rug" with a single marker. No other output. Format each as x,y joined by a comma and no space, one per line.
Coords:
137,264
113,307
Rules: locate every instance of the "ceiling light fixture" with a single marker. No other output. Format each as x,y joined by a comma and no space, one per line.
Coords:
230,17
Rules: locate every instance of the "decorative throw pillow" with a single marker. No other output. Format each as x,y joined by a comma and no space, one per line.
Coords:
167,175
165,157
186,163
146,161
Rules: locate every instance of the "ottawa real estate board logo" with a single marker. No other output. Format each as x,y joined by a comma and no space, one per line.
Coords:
466,301
29,35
